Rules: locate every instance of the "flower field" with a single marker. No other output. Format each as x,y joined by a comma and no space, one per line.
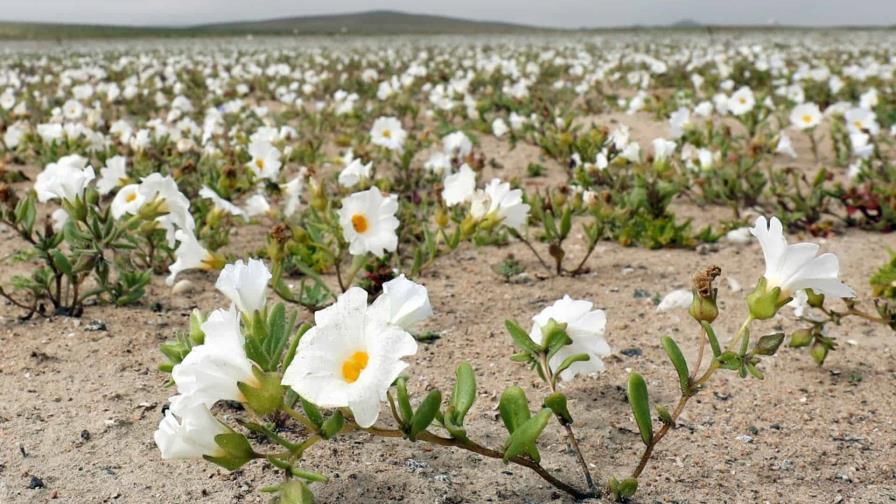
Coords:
636,267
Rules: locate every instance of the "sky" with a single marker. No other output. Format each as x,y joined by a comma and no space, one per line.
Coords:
553,13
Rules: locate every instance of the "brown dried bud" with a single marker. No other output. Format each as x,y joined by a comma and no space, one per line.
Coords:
703,281
281,233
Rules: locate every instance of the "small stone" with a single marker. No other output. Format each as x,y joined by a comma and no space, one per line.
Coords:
631,352
183,287
414,465
36,483
95,325
85,435
745,438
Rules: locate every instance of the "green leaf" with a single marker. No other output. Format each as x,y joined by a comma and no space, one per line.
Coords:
565,223
61,262
514,408
521,338
638,399
569,361
679,363
711,336
294,492
425,413
526,435
729,360
464,394
557,403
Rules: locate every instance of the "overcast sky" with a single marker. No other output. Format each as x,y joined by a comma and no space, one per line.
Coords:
559,13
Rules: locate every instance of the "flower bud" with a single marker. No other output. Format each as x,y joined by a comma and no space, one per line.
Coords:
813,299
800,338
703,308
441,218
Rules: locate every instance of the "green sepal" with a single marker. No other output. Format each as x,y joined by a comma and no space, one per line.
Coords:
236,448
332,425
769,344
569,361
267,397
404,400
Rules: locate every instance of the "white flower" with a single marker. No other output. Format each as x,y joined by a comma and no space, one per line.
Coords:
66,178
349,358
796,267
245,284
739,236
190,254
457,144
128,200
460,186
499,201
265,161
257,204
676,300
785,146
402,303
860,120
354,172
387,132
742,101
499,127
191,436
805,116
438,162
211,371
584,326
60,218
114,174
155,186
679,121
292,190
368,222
221,203
663,149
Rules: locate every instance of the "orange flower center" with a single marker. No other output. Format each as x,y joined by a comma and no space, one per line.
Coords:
807,118
131,197
359,222
352,367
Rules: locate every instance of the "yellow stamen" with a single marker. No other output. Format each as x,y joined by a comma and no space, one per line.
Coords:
130,197
259,163
352,367
387,134
807,118
359,222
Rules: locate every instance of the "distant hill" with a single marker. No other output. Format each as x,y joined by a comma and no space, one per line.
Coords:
362,23
367,23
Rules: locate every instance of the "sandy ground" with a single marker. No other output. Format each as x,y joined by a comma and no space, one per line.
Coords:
79,406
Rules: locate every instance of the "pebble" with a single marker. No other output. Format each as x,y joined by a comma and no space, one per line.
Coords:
183,287
745,438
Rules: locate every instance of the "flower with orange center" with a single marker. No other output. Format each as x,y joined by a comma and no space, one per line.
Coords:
349,358
368,222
